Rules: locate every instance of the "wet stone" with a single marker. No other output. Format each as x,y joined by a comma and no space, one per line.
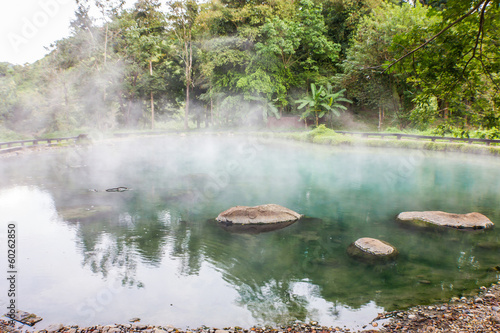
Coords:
495,319
54,327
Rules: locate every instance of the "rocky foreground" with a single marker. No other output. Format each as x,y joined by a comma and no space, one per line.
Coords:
476,314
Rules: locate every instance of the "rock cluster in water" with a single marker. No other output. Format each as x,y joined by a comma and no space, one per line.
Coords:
438,218
263,214
473,314
372,249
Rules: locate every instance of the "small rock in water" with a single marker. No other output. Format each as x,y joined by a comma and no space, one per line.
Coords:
135,319
371,249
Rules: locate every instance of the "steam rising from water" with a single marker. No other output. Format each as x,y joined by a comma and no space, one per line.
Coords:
155,252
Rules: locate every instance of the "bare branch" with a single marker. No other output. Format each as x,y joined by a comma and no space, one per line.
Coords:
437,35
478,37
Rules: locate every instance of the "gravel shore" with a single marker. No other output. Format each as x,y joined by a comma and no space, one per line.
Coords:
476,314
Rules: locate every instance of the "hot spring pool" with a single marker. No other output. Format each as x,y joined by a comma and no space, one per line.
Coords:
87,256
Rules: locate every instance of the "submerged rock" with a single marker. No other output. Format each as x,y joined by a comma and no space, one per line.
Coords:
83,212
24,317
372,249
263,214
460,221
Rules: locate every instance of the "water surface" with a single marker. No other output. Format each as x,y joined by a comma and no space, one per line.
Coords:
87,256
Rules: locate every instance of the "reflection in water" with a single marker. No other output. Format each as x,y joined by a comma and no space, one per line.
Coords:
156,251
254,228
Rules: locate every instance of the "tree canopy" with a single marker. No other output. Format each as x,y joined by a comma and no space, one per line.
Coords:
421,64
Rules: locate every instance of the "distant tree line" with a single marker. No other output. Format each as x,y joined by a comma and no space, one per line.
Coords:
236,62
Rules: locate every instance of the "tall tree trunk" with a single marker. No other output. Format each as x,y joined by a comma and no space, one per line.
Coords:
186,111
106,45
105,56
379,118
211,111
152,100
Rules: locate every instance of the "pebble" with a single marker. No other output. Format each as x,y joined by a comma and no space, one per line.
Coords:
54,328
159,330
470,315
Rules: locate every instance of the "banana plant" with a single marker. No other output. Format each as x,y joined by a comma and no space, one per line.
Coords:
268,107
322,101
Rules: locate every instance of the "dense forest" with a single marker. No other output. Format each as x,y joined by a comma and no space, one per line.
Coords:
428,64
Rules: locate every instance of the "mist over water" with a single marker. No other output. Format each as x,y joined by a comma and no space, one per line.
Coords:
88,256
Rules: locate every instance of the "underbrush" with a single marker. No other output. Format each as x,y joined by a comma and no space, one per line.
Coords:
7,135
321,135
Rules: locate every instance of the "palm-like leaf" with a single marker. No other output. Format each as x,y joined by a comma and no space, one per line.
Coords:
321,101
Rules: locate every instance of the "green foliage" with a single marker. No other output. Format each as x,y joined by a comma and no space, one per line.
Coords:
373,43
237,62
425,111
321,101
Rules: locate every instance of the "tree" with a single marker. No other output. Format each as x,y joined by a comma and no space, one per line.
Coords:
373,43
458,61
182,17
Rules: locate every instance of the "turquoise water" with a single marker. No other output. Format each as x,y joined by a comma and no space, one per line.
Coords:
88,256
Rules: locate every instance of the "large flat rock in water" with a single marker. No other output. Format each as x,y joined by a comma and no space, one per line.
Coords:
460,221
263,214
